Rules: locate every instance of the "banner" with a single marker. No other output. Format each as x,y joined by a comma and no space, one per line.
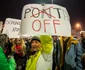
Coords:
48,19
12,28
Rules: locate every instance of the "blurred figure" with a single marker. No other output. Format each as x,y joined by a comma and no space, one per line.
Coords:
19,50
70,54
56,51
12,40
8,46
82,34
40,53
83,61
27,43
6,63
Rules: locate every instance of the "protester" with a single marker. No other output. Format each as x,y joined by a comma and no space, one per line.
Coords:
6,63
56,51
70,54
8,46
19,49
27,43
40,53
82,34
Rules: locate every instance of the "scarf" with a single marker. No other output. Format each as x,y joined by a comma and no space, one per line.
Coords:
31,63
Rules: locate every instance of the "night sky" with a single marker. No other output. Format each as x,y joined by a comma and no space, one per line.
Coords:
13,8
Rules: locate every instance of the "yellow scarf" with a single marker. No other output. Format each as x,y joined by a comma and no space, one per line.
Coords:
70,41
31,63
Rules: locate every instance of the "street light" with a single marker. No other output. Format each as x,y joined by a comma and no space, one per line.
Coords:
78,25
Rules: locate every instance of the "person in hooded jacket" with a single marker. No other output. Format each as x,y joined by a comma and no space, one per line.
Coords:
6,63
41,51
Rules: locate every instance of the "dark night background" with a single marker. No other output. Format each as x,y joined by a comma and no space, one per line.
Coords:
13,8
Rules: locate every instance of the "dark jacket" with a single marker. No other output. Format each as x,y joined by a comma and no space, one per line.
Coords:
56,54
20,61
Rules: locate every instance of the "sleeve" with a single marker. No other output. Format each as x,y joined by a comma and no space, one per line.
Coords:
6,64
12,63
79,52
47,46
58,52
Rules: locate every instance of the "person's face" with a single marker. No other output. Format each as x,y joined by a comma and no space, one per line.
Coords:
54,38
35,45
18,41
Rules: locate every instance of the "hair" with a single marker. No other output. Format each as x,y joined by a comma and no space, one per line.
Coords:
3,38
22,46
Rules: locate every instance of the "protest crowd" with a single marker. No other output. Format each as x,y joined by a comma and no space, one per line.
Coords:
59,53
42,52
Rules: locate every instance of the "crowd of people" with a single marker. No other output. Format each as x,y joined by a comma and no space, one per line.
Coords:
42,52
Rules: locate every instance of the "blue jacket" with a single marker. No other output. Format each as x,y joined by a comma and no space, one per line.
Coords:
72,58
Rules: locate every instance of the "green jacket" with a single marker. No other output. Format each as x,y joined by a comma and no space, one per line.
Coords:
6,64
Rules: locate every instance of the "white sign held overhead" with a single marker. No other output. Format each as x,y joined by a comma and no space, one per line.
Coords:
12,27
48,19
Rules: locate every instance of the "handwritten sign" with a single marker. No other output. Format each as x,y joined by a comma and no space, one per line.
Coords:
48,19
12,27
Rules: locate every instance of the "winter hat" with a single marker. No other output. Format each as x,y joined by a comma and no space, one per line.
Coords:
35,38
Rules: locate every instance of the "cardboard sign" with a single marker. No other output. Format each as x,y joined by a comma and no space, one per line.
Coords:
48,19
12,28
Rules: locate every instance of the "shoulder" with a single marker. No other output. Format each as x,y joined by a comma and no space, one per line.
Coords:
1,49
